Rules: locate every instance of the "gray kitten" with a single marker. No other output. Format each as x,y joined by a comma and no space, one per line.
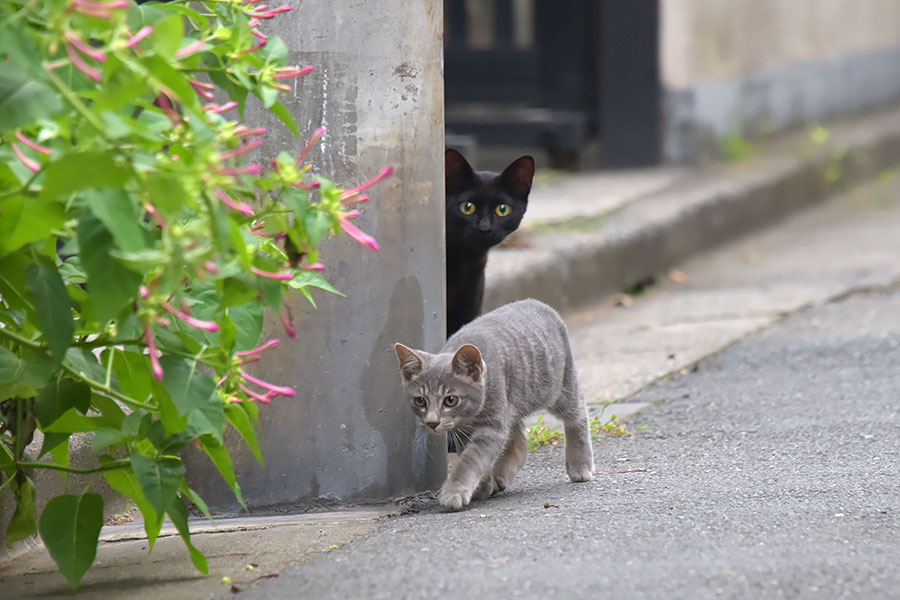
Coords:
489,376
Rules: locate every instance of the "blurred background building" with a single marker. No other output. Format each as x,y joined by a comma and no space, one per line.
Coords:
623,83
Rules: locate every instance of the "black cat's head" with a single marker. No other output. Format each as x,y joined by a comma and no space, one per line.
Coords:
483,208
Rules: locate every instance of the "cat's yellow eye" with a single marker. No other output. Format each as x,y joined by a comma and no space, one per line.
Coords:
451,401
502,210
419,402
467,208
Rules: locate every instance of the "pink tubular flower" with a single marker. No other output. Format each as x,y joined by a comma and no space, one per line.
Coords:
198,323
261,348
280,275
151,210
261,44
250,169
284,391
162,100
240,207
141,34
357,200
264,398
244,132
286,72
243,149
32,145
253,22
353,191
103,10
360,236
220,108
308,186
151,348
192,48
25,160
314,267
204,90
211,267
81,65
86,49
270,14
259,34
287,319
317,135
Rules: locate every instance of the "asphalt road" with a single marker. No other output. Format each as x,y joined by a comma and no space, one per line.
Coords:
772,470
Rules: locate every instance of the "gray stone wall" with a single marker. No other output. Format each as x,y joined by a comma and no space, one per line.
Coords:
349,434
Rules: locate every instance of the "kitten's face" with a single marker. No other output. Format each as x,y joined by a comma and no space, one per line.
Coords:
443,390
483,208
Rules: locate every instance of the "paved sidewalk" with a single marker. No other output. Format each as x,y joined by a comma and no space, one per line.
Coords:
591,235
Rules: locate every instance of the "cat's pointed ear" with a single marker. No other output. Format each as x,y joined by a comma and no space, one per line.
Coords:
411,364
516,178
457,171
467,361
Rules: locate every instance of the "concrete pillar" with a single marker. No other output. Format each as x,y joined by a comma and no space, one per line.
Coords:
349,434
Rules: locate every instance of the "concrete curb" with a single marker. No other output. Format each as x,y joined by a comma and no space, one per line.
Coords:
568,267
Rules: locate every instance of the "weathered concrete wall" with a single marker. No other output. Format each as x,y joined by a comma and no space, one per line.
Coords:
758,66
349,434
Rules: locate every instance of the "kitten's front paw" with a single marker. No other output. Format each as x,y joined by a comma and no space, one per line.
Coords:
454,498
581,475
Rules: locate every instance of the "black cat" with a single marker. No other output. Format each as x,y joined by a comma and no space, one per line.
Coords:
482,209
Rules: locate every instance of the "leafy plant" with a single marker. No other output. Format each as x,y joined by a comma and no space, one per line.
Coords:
139,248
540,435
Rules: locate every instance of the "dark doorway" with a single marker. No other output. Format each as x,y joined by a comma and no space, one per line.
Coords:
577,79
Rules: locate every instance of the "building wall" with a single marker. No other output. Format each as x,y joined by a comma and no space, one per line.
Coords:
756,66
349,434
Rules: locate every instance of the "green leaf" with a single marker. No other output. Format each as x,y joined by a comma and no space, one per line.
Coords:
60,454
179,515
119,213
248,322
278,109
23,99
133,374
79,170
165,75
126,483
196,499
85,362
158,479
58,397
297,200
11,368
218,454
236,292
53,307
240,420
112,413
26,221
111,284
73,422
52,441
194,393
70,527
24,521
311,279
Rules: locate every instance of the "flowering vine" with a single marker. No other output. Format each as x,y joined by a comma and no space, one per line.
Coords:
143,232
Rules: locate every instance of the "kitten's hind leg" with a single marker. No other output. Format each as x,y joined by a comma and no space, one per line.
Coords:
513,457
485,489
579,454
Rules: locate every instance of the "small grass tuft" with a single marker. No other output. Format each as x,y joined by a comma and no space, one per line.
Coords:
541,435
